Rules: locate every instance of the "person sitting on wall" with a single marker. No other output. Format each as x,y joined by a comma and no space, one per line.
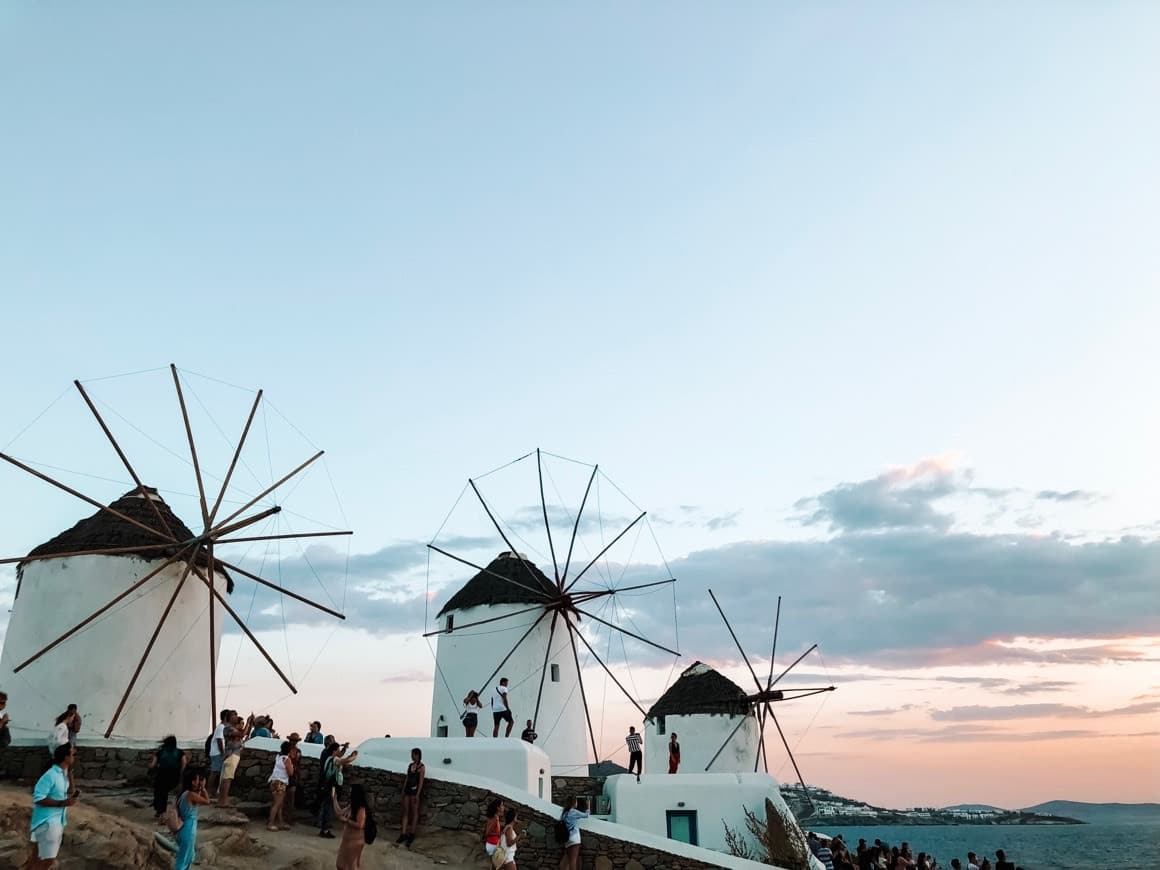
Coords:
674,753
529,734
314,734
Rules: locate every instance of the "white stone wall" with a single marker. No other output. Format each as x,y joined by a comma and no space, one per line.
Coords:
465,658
717,798
92,669
700,737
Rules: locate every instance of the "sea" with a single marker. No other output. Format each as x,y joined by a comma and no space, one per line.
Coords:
1032,847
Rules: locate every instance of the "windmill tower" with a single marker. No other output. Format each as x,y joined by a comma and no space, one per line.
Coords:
706,710
52,595
493,615
512,619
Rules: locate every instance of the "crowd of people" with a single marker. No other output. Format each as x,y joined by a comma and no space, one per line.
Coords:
836,855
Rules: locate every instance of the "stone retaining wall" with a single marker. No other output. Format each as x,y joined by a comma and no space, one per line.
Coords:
445,804
563,787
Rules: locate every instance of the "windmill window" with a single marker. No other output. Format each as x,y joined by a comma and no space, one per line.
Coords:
440,730
450,622
660,724
682,826
555,673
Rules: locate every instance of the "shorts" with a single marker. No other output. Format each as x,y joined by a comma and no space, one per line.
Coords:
47,838
501,716
470,720
230,765
277,787
573,839
215,763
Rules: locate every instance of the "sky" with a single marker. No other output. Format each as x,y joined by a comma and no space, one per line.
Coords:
859,302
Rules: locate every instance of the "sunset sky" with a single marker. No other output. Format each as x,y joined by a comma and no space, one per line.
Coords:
860,303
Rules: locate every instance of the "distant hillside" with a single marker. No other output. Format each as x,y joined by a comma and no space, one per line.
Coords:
974,808
1121,814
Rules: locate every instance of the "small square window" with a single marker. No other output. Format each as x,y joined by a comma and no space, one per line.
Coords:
555,673
450,622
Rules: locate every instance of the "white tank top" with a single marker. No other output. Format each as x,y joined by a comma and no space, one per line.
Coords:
280,774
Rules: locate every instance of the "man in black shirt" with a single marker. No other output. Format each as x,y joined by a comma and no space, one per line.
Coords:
529,734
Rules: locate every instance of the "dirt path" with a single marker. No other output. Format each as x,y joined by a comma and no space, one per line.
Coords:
115,829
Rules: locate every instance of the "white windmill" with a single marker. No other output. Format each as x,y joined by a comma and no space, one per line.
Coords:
511,619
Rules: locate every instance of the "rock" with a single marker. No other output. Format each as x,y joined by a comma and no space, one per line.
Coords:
209,816
633,864
784,839
602,862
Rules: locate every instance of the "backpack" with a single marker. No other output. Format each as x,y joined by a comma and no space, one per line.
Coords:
208,744
333,771
172,818
561,831
370,829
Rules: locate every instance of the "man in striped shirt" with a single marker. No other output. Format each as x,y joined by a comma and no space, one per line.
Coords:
635,756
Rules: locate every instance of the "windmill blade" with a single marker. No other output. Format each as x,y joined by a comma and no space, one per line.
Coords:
584,640
504,661
481,621
141,488
576,525
727,739
281,589
488,572
626,631
547,655
234,463
269,490
192,449
611,543
792,760
572,632
499,529
744,657
547,525
792,666
773,652
585,597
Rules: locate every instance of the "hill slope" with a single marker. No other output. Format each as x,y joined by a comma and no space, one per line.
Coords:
1123,814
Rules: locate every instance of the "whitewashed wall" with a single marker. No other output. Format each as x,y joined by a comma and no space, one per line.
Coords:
700,737
92,669
466,657
717,798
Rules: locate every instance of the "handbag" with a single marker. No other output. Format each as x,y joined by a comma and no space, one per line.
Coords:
499,856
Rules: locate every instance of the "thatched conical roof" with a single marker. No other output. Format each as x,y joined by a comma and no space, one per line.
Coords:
516,586
103,531
700,689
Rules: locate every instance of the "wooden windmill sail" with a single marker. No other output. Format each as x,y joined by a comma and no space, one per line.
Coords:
759,703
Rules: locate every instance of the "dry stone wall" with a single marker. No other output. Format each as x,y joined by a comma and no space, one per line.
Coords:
445,804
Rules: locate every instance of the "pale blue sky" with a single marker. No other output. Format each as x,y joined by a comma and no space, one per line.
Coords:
736,253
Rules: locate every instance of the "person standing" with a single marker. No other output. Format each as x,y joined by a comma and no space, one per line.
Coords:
574,811
332,779
292,791
58,736
635,756
314,734
168,765
674,753
5,734
51,798
501,709
511,838
279,781
74,724
493,827
357,823
470,715
1001,862
529,735
234,737
217,751
193,795
412,789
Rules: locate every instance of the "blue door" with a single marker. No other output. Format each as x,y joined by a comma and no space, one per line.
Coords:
682,826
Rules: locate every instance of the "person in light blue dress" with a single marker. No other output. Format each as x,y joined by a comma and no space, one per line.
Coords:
193,794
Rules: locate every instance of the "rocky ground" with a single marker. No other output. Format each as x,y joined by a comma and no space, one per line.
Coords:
113,827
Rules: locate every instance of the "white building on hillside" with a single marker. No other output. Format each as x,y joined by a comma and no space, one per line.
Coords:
703,707
467,657
92,668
